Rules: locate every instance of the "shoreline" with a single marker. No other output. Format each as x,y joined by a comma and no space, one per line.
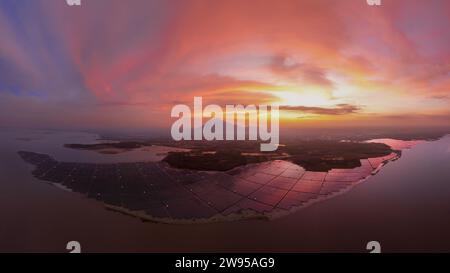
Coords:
245,215
240,214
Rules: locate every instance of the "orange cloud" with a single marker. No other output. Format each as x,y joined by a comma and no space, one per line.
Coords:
321,57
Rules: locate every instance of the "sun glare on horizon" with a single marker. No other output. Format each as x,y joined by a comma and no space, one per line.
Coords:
310,98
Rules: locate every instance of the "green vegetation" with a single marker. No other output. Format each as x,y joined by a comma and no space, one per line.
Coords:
218,161
314,155
324,155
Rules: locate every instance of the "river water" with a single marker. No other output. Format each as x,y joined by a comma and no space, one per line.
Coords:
405,207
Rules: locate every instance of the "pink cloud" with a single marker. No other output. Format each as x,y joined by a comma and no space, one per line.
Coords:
153,53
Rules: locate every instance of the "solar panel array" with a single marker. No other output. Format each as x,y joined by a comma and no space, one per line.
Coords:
166,194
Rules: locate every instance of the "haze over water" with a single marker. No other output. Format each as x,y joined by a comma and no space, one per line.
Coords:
404,207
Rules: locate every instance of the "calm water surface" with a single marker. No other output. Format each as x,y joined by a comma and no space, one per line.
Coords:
405,207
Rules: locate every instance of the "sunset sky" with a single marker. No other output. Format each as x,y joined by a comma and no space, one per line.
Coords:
120,64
